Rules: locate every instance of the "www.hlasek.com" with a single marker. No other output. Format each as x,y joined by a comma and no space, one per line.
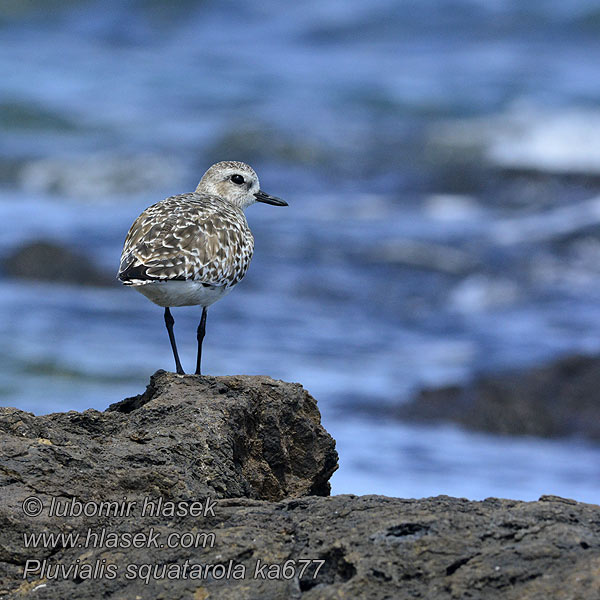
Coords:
152,538
104,538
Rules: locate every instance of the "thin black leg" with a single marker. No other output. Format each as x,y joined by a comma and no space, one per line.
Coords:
200,336
169,321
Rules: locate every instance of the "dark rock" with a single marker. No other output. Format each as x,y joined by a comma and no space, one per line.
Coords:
557,400
193,442
185,437
47,261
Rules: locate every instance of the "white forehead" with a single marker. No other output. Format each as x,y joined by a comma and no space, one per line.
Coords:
224,169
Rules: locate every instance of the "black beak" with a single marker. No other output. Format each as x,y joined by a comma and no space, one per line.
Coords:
262,197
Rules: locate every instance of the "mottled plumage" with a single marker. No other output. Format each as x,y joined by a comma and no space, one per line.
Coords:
188,237
191,249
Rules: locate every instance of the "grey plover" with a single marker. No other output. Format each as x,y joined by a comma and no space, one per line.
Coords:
192,249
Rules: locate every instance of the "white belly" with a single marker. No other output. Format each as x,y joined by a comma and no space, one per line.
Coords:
181,293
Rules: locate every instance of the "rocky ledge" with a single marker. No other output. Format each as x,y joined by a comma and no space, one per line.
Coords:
217,487
554,400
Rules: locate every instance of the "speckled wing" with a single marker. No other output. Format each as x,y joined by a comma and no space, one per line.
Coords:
188,237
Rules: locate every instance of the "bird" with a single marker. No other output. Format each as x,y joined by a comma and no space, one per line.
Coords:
192,249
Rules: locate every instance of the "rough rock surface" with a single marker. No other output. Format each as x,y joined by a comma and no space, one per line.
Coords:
47,261
185,437
556,400
215,451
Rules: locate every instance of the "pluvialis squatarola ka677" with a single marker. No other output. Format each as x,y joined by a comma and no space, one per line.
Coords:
192,249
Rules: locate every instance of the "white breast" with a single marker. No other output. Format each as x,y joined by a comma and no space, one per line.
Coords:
182,293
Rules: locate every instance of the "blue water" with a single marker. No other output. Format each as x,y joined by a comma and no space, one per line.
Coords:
398,263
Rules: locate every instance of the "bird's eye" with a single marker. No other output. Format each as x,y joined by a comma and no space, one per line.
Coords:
238,179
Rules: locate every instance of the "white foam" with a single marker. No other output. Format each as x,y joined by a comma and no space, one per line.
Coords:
99,175
529,138
479,293
451,207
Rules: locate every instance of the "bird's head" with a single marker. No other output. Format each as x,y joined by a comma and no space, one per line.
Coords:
237,183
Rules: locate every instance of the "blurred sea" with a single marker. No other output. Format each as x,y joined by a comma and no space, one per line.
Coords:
441,160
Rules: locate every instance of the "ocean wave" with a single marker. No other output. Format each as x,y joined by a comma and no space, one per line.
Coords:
99,175
528,139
